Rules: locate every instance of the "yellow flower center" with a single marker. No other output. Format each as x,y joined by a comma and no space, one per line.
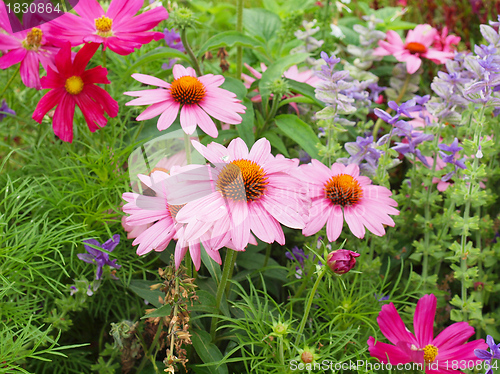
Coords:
430,353
33,39
415,47
242,180
343,190
74,85
187,90
103,26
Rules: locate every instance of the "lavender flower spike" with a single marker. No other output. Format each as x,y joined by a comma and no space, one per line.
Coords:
98,257
5,109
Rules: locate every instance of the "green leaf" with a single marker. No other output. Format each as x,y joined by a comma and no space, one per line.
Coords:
401,25
208,351
231,39
163,311
224,137
276,70
276,142
236,86
300,132
245,128
142,288
156,54
306,90
261,23
207,304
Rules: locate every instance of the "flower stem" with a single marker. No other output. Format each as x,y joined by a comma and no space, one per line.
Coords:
239,28
309,304
10,80
187,146
389,110
226,274
190,53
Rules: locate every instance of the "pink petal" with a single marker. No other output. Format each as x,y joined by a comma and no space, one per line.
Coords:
213,152
123,9
90,9
264,226
148,79
240,224
319,213
205,122
13,57
63,119
392,326
334,223
180,71
354,222
153,111
188,118
387,353
168,116
423,320
260,152
460,352
30,70
50,100
456,334
210,80
238,149
194,251
180,252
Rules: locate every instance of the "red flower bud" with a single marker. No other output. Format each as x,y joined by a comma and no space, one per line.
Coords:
341,261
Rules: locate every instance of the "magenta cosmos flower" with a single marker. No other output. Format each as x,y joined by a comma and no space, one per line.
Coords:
73,85
197,98
417,46
438,353
157,219
118,28
29,47
249,191
339,192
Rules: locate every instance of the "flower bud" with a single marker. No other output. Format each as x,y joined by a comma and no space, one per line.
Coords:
341,261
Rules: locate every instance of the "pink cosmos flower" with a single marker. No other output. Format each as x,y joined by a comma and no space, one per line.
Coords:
417,45
73,85
339,192
306,76
30,47
197,99
249,191
118,28
156,218
438,353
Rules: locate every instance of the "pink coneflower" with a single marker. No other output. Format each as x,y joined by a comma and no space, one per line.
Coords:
198,98
443,41
29,47
248,192
339,192
73,85
118,28
437,353
417,45
154,210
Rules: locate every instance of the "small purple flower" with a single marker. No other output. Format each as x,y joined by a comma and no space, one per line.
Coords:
382,297
4,110
494,353
405,108
98,257
73,290
332,61
297,254
451,159
173,40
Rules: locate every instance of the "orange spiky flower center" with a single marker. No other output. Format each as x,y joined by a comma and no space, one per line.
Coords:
187,90
415,48
242,180
343,190
74,85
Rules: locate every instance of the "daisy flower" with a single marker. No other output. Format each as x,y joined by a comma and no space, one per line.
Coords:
118,28
30,47
248,191
437,353
417,46
73,85
339,192
157,219
198,98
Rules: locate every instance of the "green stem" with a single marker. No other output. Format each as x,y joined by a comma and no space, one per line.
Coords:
10,80
428,208
309,304
190,52
398,100
187,147
239,28
228,266
465,230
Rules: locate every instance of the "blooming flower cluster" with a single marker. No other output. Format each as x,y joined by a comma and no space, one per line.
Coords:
251,192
